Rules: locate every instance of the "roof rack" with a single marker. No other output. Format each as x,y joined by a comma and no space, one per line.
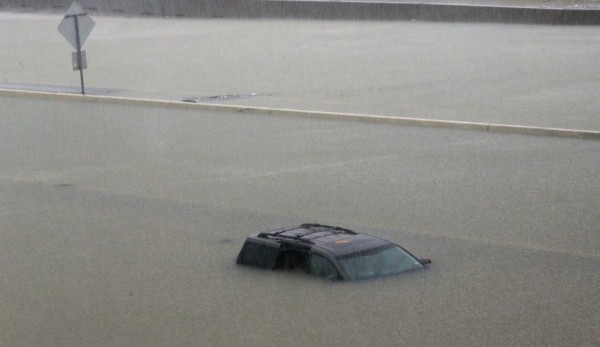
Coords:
312,228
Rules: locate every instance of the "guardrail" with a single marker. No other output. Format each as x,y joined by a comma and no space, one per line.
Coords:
318,10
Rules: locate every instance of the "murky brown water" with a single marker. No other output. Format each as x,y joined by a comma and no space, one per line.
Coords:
513,74
120,225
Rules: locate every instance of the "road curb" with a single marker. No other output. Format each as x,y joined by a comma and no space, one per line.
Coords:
405,121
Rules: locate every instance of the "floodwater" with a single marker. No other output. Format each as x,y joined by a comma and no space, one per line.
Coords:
119,226
534,75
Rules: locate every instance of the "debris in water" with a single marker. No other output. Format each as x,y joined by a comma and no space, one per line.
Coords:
218,97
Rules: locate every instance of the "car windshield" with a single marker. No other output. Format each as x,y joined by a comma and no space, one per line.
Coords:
377,262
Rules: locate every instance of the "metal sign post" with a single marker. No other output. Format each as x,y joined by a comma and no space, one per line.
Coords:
79,65
76,27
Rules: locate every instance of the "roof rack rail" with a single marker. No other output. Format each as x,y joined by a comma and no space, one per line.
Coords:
315,225
277,232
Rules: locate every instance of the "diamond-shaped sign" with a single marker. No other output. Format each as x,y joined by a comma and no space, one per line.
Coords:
84,22
75,10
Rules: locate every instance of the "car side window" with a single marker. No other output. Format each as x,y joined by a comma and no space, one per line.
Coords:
319,266
259,255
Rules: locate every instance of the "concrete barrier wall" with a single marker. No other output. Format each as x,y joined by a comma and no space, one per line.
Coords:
317,10
129,7
296,9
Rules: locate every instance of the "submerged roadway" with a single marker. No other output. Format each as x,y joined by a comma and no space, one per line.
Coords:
119,224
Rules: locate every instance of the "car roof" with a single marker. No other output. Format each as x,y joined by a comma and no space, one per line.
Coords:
339,241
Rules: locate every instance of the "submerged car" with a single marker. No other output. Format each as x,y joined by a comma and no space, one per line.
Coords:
327,251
